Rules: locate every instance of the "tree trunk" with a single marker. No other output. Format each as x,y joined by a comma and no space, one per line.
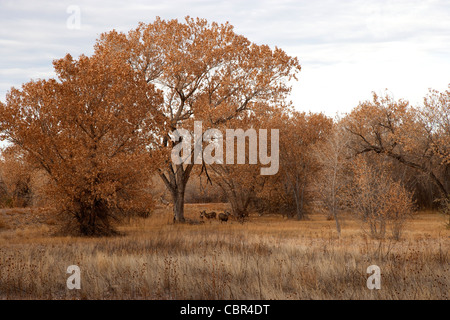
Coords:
333,200
239,200
178,206
338,226
299,198
238,197
297,204
176,183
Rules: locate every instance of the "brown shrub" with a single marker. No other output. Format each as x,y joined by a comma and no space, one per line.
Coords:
381,203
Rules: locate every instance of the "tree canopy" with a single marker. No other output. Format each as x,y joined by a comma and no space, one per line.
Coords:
90,130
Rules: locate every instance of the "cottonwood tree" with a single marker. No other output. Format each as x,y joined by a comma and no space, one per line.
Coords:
91,130
299,133
208,73
416,137
241,183
290,189
331,183
435,117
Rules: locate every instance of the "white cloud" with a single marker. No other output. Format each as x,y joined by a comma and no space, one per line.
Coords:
347,48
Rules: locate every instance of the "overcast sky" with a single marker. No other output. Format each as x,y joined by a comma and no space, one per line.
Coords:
347,48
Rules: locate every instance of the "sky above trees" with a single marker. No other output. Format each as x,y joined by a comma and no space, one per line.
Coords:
347,49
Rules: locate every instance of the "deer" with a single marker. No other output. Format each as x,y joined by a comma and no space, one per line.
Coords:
223,217
210,215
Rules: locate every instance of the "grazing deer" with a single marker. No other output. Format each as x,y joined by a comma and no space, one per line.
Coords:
223,217
210,215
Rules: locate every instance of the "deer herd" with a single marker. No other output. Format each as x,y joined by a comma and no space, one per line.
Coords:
223,217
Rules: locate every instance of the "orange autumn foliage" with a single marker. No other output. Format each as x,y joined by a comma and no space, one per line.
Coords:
89,129
415,137
381,203
207,73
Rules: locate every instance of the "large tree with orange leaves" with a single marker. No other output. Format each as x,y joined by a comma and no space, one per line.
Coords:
299,134
242,182
416,137
289,190
91,130
207,72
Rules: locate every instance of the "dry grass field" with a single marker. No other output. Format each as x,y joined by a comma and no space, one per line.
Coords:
267,257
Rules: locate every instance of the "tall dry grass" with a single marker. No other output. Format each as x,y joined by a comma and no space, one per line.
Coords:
265,258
